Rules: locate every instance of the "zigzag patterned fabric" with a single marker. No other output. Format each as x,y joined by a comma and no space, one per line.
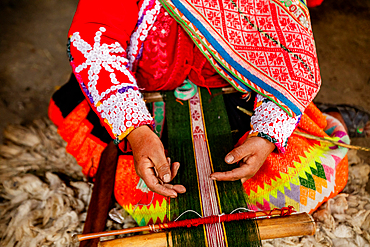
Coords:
309,173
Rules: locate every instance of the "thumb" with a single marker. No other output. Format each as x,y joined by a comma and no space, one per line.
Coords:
237,154
162,167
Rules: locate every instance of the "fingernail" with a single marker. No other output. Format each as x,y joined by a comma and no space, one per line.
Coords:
213,178
166,178
229,158
173,196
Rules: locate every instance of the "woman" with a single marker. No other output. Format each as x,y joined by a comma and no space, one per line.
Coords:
120,48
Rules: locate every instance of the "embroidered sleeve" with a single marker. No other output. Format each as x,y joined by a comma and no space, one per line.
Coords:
272,123
97,49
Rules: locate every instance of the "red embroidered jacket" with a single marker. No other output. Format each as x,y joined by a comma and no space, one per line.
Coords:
117,48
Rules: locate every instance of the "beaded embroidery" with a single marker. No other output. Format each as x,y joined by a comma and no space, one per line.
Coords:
270,122
147,15
121,105
99,56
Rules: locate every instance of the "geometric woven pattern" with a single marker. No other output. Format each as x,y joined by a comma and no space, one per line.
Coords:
146,207
303,177
265,45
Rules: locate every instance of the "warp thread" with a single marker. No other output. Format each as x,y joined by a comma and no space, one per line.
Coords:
285,211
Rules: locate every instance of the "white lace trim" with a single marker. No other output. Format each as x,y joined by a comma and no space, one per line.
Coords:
271,120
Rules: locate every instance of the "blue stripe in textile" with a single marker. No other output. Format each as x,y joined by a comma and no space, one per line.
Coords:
245,87
232,62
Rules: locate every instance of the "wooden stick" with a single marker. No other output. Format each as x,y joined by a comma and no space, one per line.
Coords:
146,240
321,139
276,227
101,198
287,226
249,113
82,237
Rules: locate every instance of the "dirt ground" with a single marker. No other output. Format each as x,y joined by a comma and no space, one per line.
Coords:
33,60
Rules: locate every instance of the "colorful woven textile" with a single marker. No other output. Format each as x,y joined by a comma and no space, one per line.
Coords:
305,176
199,137
264,45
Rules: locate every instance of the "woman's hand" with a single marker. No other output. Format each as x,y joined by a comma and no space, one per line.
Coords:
251,155
151,164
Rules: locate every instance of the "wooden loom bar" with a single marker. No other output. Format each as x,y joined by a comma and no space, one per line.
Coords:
101,198
87,236
269,228
288,226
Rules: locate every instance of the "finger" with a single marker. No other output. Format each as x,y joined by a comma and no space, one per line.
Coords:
154,185
162,167
177,187
174,169
238,153
245,171
162,190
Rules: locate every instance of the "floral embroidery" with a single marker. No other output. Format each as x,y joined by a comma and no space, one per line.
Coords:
196,115
294,7
272,123
99,56
121,105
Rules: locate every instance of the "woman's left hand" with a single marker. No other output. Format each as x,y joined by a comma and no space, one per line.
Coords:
251,155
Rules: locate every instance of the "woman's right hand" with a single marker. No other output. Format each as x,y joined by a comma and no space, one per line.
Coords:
151,163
